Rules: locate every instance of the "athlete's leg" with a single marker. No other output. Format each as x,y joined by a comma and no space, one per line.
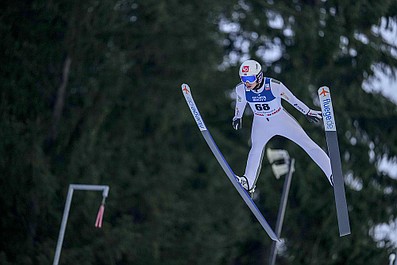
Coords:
260,135
293,131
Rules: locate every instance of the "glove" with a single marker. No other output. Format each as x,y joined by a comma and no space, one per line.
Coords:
237,123
314,115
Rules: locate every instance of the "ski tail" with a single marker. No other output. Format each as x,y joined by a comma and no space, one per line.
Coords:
223,163
331,136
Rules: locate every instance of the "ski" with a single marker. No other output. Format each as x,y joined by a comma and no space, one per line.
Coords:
331,136
223,163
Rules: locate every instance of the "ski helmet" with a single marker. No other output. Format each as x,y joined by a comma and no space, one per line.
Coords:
251,71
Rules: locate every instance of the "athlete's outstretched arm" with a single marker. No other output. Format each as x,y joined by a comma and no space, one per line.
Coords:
241,102
285,93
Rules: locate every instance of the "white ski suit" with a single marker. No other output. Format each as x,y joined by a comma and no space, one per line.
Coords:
271,119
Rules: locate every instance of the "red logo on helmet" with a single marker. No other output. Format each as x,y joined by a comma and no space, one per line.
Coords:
245,69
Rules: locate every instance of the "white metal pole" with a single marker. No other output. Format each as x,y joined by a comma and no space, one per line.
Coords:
73,187
281,210
63,225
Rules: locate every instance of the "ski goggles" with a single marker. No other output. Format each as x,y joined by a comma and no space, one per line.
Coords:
249,78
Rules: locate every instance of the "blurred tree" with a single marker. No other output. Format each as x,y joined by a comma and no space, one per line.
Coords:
93,96
333,43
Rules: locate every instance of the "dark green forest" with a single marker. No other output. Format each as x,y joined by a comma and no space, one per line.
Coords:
90,94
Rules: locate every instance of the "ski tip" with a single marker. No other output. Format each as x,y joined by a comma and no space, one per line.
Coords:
185,88
323,91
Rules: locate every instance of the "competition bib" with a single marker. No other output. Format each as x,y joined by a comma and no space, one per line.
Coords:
263,103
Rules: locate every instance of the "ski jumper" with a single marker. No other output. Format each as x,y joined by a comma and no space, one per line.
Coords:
270,119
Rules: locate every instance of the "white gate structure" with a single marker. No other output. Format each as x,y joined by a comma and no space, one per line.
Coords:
98,223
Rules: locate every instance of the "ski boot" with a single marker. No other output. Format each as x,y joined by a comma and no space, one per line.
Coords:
244,183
